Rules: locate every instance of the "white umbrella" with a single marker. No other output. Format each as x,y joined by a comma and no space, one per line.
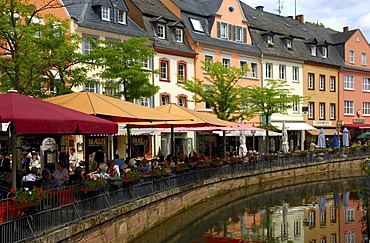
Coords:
242,147
285,144
321,143
345,138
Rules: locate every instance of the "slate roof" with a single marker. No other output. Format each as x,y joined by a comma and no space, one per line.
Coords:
154,11
261,22
85,14
199,7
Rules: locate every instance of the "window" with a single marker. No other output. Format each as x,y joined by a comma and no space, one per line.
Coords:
349,237
91,86
223,30
366,108
295,105
254,70
311,81
313,50
208,58
165,99
333,215
161,31
144,102
226,62
311,219
182,101
349,215
105,13
289,44
296,74
311,110
87,47
322,82
365,84
349,107
197,26
268,70
348,82
242,65
363,59
164,69
324,53
332,111
238,34
179,35
181,70
282,69
322,111
121,17
297,228
352,56
333,238
145,64
110,88
332,83
269,40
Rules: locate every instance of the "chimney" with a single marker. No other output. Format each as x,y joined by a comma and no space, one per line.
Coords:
345,29
300,18
259,8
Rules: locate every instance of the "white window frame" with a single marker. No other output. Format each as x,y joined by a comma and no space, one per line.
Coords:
182,101
289,44
161,31
282,72
321,111
365,108
295,74
311,81
324,50
105,13
313,50
238,34
366,84
241,63
311,110
224,32
349,107
254,70
332,83
197,26
181,70
269,40
145,64
87,47
332,111
351,56
145,101
164,69
226,62
165,99
269,70
349,82
322,82
122,17
295,106
179,35
363,59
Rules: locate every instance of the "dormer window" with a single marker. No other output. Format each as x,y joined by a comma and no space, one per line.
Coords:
105,13
179,35
313,50
269,40
223,31
161,31
122,17
324,51
289,44
197,26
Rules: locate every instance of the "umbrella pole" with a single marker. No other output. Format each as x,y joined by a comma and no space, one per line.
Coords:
86,154
172,140
14,162
210,145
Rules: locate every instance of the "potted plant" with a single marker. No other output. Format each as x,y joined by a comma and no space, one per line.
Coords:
158,172
303,153
90,184
131,176
27,198
181,167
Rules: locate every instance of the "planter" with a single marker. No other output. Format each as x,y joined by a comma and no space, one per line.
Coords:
26,204
115,182
155,174
88,188
127,179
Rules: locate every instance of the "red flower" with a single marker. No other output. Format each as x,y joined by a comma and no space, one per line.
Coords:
12,190
24,199
13,198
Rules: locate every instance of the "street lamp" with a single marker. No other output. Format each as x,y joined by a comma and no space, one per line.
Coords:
253,133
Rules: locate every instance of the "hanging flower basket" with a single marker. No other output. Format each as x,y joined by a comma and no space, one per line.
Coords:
20,205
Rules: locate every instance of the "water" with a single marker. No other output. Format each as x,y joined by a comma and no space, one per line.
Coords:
330,211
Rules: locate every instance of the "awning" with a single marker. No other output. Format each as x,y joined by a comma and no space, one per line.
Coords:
249,134
328,132
135,131
360,126
293,126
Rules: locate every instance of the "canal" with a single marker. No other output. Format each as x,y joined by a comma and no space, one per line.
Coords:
323,211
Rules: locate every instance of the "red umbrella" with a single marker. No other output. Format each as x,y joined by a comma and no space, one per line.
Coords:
33,116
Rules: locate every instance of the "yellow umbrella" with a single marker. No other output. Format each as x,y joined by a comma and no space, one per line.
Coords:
112,108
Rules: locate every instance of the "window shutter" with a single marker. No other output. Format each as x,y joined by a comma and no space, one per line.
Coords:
233,32
230,28
218,29
245,35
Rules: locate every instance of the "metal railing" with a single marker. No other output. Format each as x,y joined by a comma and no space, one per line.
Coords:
70,205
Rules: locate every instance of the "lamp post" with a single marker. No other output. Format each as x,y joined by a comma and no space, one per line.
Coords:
253,133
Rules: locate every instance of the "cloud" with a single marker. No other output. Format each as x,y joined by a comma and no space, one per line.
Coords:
363,22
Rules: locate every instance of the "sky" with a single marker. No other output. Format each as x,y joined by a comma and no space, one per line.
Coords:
334,14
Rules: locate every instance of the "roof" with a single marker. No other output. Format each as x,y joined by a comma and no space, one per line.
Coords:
261,22
199,7
86,15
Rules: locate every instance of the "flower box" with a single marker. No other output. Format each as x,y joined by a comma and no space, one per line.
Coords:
88,188
126,179
19,205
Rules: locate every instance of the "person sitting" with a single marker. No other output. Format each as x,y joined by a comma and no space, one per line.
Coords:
113,169
6,185
48,181
30,179
61,173
76,178
132,164
102,172
118,161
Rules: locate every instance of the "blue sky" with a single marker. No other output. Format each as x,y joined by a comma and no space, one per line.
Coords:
334,14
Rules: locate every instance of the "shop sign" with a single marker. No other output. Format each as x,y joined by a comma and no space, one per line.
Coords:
139,140
322,123
359,121
49,143
96,141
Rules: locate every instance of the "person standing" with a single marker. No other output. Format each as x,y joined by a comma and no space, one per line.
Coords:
73,160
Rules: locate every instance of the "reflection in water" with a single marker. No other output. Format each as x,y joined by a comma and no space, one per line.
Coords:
328,211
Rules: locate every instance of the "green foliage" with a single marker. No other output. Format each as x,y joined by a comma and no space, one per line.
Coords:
122,62
33,44
220,90
22,196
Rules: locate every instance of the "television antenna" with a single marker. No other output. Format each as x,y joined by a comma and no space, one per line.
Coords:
280,6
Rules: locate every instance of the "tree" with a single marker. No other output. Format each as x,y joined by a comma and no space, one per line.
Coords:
32,45
122,63
220,90
274,98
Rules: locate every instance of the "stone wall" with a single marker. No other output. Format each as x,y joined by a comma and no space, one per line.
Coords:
125,222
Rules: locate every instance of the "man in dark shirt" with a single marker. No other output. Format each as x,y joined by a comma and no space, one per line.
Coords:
5,185
4,163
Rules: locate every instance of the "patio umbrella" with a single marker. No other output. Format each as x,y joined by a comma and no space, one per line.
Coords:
285,143
345,138
335,141
322,202
363,135
321,143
